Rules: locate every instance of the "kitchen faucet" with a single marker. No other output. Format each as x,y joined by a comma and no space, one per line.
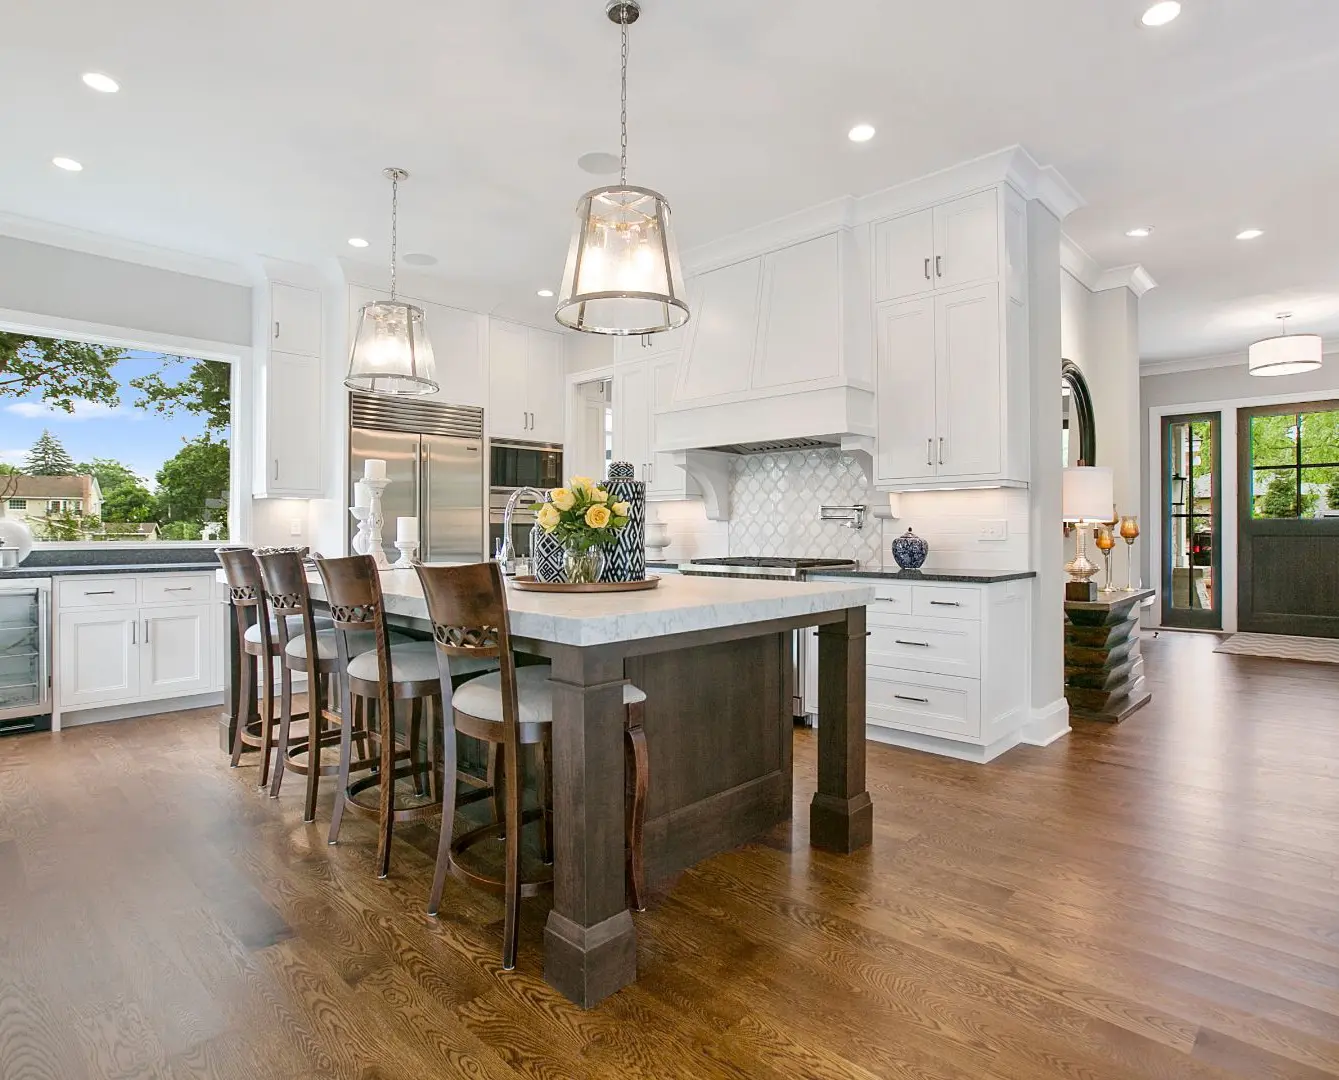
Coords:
506,555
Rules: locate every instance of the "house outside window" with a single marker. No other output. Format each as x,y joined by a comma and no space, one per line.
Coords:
18,504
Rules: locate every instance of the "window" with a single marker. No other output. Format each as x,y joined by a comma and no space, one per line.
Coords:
1191,515
1294,462
104,443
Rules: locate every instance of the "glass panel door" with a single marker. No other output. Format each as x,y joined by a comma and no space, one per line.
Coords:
1191,585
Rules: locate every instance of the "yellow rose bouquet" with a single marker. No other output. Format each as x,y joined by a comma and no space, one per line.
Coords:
581,517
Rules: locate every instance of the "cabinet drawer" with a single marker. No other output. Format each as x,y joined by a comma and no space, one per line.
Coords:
937,602
891,597
88,592
936,704
176,588
945,646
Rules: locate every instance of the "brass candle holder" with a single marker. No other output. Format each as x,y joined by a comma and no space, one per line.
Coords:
1106,540
1129,531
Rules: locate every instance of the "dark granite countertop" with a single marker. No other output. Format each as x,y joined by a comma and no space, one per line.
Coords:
977,577
108,568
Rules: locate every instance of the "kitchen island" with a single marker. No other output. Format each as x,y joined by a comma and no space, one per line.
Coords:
714,658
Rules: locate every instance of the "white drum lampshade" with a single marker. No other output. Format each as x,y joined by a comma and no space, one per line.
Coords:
391,352
622,274
1288,354
1088,494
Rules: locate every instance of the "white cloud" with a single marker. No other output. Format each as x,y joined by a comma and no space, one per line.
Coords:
83,410
13,457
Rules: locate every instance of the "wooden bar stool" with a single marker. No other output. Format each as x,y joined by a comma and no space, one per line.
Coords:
509,708
285,578
391,671
258,642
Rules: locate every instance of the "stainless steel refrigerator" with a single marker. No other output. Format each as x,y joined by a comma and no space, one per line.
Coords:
434,456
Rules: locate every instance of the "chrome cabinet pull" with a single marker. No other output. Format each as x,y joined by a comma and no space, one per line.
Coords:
178,588
945,603
929,451
276,468
276,329
99,592
939,266
922,644
941,449
927,268
905,697
134,631
146,631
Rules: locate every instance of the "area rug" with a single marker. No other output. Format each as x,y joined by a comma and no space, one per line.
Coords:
1282,647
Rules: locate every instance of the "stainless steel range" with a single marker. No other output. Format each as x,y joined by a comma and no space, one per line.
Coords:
747,566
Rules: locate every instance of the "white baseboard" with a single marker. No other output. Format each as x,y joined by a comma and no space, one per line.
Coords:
933,744
138,708
1049,723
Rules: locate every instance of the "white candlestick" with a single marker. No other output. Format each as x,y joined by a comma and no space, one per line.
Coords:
406,529
362,494
375,523
374,469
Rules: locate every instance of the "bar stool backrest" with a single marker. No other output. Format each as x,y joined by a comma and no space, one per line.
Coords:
353,593
467,606
246,590
285,579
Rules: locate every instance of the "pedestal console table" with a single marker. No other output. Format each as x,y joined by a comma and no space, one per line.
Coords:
1104,671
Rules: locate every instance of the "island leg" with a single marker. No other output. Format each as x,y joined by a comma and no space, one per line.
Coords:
841,816
590,946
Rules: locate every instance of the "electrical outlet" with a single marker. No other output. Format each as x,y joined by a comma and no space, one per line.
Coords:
295,527
994,529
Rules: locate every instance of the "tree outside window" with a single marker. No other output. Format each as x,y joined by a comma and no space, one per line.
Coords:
1295,463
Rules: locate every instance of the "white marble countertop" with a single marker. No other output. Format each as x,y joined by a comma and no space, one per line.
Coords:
679,605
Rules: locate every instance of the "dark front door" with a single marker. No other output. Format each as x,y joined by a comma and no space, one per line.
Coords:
1288,521
1192,588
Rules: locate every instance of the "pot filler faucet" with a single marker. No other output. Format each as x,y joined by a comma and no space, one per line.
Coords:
506,555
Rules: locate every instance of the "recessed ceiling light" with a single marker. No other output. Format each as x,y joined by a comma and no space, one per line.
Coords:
1250,234
357,241
68,164
1140,231
420,258
1161,13
861,133
103,84
544,292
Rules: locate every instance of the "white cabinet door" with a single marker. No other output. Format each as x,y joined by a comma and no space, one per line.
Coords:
906,397
98,661
632,409
175,650
508,407
292,465
295,319
546,387
904,256
967,240
970,382
666,480
800,336
722,335
458,349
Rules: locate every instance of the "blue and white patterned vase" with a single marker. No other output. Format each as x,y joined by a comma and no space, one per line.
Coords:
622,470
547,554
625,559
909,551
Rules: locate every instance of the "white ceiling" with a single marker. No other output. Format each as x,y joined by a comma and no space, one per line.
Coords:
261,127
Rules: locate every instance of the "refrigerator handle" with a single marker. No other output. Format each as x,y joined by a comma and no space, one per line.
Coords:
424,487
44,646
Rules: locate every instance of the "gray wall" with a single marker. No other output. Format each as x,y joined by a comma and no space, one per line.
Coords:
44,280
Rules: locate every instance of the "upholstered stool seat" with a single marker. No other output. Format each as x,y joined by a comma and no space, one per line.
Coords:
360,641
294,626
482,697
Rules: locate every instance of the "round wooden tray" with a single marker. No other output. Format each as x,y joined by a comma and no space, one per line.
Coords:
531,584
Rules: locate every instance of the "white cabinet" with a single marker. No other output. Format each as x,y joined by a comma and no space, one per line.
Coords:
952,362
287,443
295,319
718,353
98,661
110,652
639,389
800,331
526,384
665,480
640,346
942,247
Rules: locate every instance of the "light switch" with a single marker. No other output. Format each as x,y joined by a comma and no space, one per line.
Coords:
295,527
994,529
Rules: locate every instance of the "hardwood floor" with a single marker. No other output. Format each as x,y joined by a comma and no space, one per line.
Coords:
1157,899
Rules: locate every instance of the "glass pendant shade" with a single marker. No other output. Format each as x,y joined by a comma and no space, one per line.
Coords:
391,352
1287,355
622,274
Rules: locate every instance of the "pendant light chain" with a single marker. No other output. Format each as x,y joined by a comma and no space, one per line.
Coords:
395,224
623,115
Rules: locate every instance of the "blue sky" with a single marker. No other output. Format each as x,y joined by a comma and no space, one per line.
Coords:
140,439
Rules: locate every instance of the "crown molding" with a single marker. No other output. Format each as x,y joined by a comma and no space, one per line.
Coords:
114,247
1176,365
1133,277
1076,262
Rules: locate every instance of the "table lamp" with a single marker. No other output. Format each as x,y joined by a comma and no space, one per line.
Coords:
1087,497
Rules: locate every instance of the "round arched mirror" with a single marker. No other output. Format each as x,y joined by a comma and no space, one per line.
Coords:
1079,431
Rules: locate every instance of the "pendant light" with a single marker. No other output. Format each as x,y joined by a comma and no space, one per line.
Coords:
1286,354
622,274
391,352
